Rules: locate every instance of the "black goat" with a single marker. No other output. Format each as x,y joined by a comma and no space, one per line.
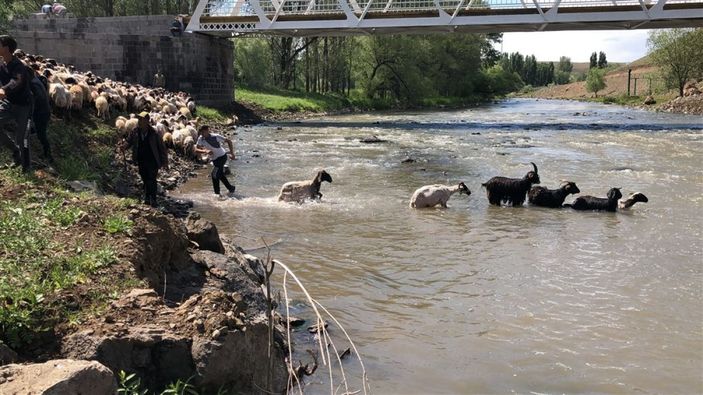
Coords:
631,200
510,190
593,203
554,198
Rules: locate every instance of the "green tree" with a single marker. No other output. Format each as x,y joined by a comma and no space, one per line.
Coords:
678,53
565,64
594,61
595,80
253,63
602,62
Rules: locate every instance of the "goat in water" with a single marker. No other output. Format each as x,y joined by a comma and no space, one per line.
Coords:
554,198
510,190
610,203
432,195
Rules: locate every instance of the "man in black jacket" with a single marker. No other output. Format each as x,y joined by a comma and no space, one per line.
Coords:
149,152
15,102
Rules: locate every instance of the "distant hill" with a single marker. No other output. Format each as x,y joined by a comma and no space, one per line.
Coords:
615,79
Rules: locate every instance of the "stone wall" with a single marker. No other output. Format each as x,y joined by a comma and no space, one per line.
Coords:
132,49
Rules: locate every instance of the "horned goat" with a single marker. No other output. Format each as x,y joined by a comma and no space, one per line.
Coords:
432,195
610,203
554,198
510,190
299,191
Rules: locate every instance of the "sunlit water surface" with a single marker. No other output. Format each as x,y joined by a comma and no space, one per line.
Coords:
479,299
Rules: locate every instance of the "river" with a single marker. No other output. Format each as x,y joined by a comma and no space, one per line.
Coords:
482,299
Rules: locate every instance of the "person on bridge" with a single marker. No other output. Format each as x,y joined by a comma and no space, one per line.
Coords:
211,144
46,9
177,27
15,102
58,9
149,152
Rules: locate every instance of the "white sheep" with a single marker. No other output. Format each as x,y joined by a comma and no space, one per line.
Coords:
432,195
299,191
120,124
60,96
103,107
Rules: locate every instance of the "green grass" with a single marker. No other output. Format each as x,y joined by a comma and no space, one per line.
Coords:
209,114
118,224
46,249
291,101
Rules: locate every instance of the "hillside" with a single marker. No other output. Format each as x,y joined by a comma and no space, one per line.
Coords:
615,79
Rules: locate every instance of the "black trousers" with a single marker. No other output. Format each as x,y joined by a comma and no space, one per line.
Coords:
14,119
148,173
218,174
41,124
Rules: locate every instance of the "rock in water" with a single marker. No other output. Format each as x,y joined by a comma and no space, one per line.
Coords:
372,140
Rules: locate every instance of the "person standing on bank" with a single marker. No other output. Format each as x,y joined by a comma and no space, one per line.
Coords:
41,113
211,144
15,101
149,152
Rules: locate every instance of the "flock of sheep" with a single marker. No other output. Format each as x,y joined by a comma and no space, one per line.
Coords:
500,190
70,91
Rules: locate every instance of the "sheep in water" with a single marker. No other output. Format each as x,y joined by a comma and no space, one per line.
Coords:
554,198
631,200
510,190
593,203
432,195
298,191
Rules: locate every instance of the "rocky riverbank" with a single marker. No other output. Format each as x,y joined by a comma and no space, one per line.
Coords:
175,302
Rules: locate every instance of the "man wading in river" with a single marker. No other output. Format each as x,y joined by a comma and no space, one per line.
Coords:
211,144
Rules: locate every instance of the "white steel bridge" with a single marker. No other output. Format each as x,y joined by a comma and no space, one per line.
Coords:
353,17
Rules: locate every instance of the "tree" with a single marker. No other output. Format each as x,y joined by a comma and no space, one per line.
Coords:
565,64
678,53
595,80
594,60
602,62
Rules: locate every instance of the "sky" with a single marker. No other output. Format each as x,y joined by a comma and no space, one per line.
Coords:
620,46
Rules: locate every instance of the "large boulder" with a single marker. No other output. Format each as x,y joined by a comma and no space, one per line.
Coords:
156,354
58,377
204,233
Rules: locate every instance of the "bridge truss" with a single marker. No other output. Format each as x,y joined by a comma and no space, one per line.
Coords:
354,17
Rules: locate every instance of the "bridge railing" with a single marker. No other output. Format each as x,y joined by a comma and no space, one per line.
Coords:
218,8
296,17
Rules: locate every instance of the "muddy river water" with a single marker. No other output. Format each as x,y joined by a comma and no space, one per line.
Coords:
481,299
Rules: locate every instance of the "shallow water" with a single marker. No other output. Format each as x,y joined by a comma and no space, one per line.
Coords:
480,299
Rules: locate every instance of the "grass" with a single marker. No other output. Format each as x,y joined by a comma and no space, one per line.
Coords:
57,254
278,100
46,249
209,114
118,224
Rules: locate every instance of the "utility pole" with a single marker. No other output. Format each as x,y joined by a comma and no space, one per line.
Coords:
629,75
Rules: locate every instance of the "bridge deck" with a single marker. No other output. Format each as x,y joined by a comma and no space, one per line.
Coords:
345,17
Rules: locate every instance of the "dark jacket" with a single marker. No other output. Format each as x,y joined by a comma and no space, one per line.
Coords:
14,78
158,149
41,97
